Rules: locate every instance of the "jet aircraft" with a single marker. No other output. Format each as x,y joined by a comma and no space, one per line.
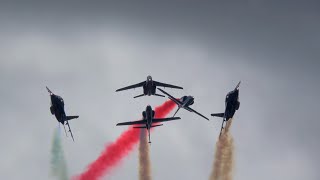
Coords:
57,109
148,120
232,105
184,102
149,87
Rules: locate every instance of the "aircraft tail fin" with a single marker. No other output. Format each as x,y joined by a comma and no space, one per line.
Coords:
71,117
159,95
218,115
139,95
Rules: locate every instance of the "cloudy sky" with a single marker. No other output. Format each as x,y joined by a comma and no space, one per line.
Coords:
84,51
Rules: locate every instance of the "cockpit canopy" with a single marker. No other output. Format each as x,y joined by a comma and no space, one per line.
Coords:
183,98
149,108
57,99
60,98
192,101
232,95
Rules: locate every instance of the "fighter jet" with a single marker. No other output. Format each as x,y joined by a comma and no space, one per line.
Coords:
184,102
232,105
149,87
57,109
148,120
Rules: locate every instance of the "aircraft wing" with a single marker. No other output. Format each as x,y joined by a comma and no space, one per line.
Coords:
218,114
132,86
70,130
192,110
170,97
132,122
166,85
157,120
71,117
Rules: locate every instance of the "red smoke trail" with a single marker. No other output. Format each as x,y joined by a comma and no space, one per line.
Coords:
116,151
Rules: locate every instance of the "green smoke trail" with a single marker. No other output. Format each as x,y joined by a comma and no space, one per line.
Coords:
58,163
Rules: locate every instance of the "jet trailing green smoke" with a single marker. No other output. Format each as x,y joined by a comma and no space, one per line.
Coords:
58,162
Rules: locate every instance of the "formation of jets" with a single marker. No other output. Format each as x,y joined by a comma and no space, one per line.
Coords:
149,88
148,120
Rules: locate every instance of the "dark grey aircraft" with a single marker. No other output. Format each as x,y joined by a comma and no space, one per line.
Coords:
148,120
57,109
184,102
149,87
232,105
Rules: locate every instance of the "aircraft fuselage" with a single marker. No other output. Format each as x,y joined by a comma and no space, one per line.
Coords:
186,101
149,88
148,114
232,103
57,108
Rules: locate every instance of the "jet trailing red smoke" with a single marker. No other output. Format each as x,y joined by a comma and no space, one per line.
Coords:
114,153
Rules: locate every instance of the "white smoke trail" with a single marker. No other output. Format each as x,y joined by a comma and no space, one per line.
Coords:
144,157
223,164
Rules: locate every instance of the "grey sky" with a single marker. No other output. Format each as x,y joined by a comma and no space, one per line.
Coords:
84,51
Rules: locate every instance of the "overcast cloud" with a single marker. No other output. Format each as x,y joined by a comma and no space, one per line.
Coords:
84,51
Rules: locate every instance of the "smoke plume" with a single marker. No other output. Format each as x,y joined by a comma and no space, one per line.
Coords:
224,156
58,163
116,151
144,157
